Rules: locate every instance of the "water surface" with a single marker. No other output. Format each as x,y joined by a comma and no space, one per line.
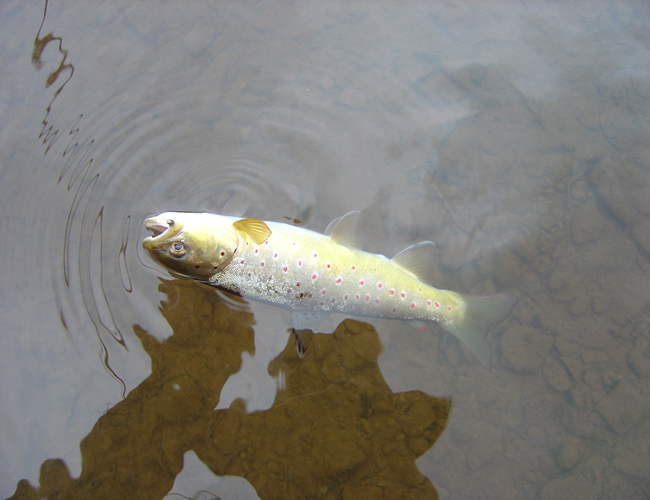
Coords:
515,136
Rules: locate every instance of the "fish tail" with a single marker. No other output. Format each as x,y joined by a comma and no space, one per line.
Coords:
481,313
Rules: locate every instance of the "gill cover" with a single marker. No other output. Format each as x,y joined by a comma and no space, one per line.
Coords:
199,245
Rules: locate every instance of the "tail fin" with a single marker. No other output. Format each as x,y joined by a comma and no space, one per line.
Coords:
481,312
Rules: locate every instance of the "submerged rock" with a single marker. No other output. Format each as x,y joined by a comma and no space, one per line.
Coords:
622,408
524,348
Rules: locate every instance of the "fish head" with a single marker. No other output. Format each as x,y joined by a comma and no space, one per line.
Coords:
192,244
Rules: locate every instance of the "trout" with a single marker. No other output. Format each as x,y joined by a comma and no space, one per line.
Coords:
313,274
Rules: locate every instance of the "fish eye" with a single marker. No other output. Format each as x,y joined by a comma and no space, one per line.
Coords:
177,249
170,222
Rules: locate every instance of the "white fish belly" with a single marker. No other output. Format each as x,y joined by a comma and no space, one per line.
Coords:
302,270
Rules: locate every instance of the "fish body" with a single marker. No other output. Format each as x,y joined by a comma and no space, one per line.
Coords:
312,274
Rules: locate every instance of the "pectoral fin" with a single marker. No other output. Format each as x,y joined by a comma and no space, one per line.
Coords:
255,229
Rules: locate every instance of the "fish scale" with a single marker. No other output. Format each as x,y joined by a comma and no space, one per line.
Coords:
312,274
305,270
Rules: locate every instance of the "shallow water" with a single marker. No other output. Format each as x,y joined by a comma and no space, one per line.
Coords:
515,136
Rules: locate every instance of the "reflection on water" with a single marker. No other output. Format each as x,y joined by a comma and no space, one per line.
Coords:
335,427
84,221
515,136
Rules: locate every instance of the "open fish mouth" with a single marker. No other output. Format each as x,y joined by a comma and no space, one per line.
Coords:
162,229
156,227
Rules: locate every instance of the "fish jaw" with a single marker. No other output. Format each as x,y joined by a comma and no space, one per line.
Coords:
164,228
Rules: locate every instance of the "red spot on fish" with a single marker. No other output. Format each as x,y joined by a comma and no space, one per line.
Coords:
402,295
391,292
379,285
367,298
353,268
422,328
323,292
266,242
285,269
300,263
420,289
298,284
376,301
314,276
448,308
275,255
412,305
256,250
428,302
328,266
241,261
436,303
361,282
262,264
294,243
337,280
345,297
356,296
315,255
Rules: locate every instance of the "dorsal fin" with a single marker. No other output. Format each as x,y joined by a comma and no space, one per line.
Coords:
418,260
343,230
331,225
255,229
